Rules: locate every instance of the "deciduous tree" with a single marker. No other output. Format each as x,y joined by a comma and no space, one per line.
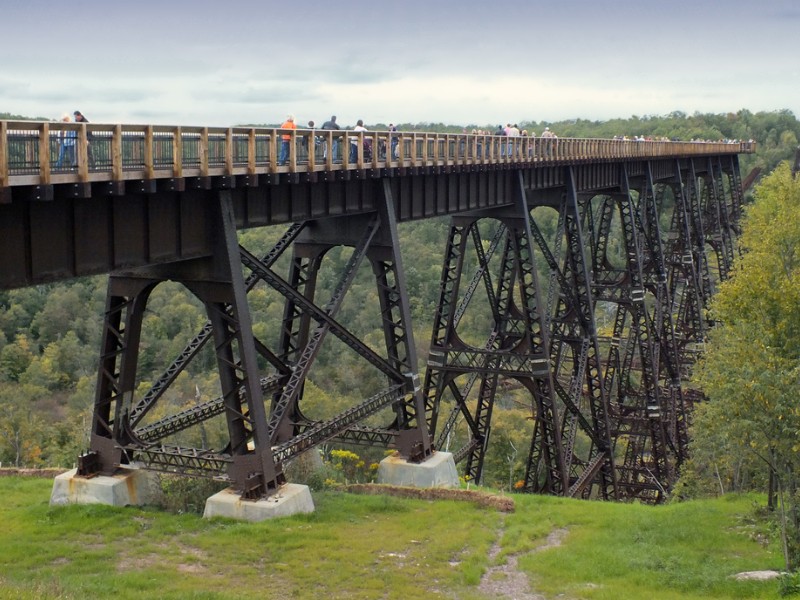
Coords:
751,370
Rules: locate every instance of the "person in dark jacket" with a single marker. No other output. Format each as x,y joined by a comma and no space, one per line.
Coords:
331,124
79,118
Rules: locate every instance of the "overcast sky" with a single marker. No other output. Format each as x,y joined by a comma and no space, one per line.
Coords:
230,62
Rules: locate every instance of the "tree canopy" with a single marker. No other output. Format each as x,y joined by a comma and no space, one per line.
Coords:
750,371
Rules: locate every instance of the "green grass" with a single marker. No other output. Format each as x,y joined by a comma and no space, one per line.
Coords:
357,546
611,551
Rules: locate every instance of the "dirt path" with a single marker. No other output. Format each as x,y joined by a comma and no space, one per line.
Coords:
507,581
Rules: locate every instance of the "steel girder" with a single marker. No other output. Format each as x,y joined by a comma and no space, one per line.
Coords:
721,235
612,428
374,237
259,442
637,404
125,304
575,354
631,406
148,400
284,406
517,346
217,281
661,291
684,283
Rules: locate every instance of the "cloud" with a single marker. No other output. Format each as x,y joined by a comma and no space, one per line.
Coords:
200,63
13,88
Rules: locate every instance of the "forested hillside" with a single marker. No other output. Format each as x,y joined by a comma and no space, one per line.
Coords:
50,335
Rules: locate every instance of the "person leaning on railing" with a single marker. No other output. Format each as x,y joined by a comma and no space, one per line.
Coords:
394,140
354,140
79,118
331,125
549,141
285,139
66,146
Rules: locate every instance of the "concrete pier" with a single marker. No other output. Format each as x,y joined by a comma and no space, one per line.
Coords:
437,471
289,499
127,487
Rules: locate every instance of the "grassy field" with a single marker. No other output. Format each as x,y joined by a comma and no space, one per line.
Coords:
357,546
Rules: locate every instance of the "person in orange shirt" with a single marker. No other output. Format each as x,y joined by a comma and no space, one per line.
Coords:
285,139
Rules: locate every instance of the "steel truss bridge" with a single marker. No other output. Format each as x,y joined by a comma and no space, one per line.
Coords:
644,231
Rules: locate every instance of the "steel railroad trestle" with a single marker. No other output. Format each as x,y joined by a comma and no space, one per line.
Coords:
593,316
259,441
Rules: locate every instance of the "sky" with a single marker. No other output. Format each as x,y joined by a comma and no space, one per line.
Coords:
471,62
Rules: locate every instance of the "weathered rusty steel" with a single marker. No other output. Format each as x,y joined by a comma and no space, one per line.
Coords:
609,414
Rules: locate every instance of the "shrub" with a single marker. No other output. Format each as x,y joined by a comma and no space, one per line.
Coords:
309,469
789,584
183,494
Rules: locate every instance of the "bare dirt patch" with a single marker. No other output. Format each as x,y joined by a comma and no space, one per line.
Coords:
43,473
194,559
757,575
501,503
507,581
184,568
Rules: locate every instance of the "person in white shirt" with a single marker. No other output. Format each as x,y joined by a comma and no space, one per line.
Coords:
354,140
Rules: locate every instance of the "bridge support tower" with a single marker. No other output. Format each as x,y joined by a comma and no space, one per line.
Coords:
607,415
265,423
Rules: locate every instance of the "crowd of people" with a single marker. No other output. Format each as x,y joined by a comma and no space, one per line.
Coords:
67,147
290,123
509,130
661,138
321,142
513,131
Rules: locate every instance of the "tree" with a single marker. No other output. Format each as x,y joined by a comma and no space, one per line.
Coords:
22,431
15,359
509,441
751,370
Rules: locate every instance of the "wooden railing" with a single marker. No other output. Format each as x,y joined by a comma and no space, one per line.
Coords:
44,153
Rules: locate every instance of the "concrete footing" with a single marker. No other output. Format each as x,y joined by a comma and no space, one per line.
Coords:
127,487
437,471
289,499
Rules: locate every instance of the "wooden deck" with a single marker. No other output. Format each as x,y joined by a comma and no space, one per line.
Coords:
29,152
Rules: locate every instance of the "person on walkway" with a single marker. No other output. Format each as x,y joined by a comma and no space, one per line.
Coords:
79,118
548,138
332,125
512,131
319,141
354,140
286,139
479,142
502,145
66,146
395,140
306,139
